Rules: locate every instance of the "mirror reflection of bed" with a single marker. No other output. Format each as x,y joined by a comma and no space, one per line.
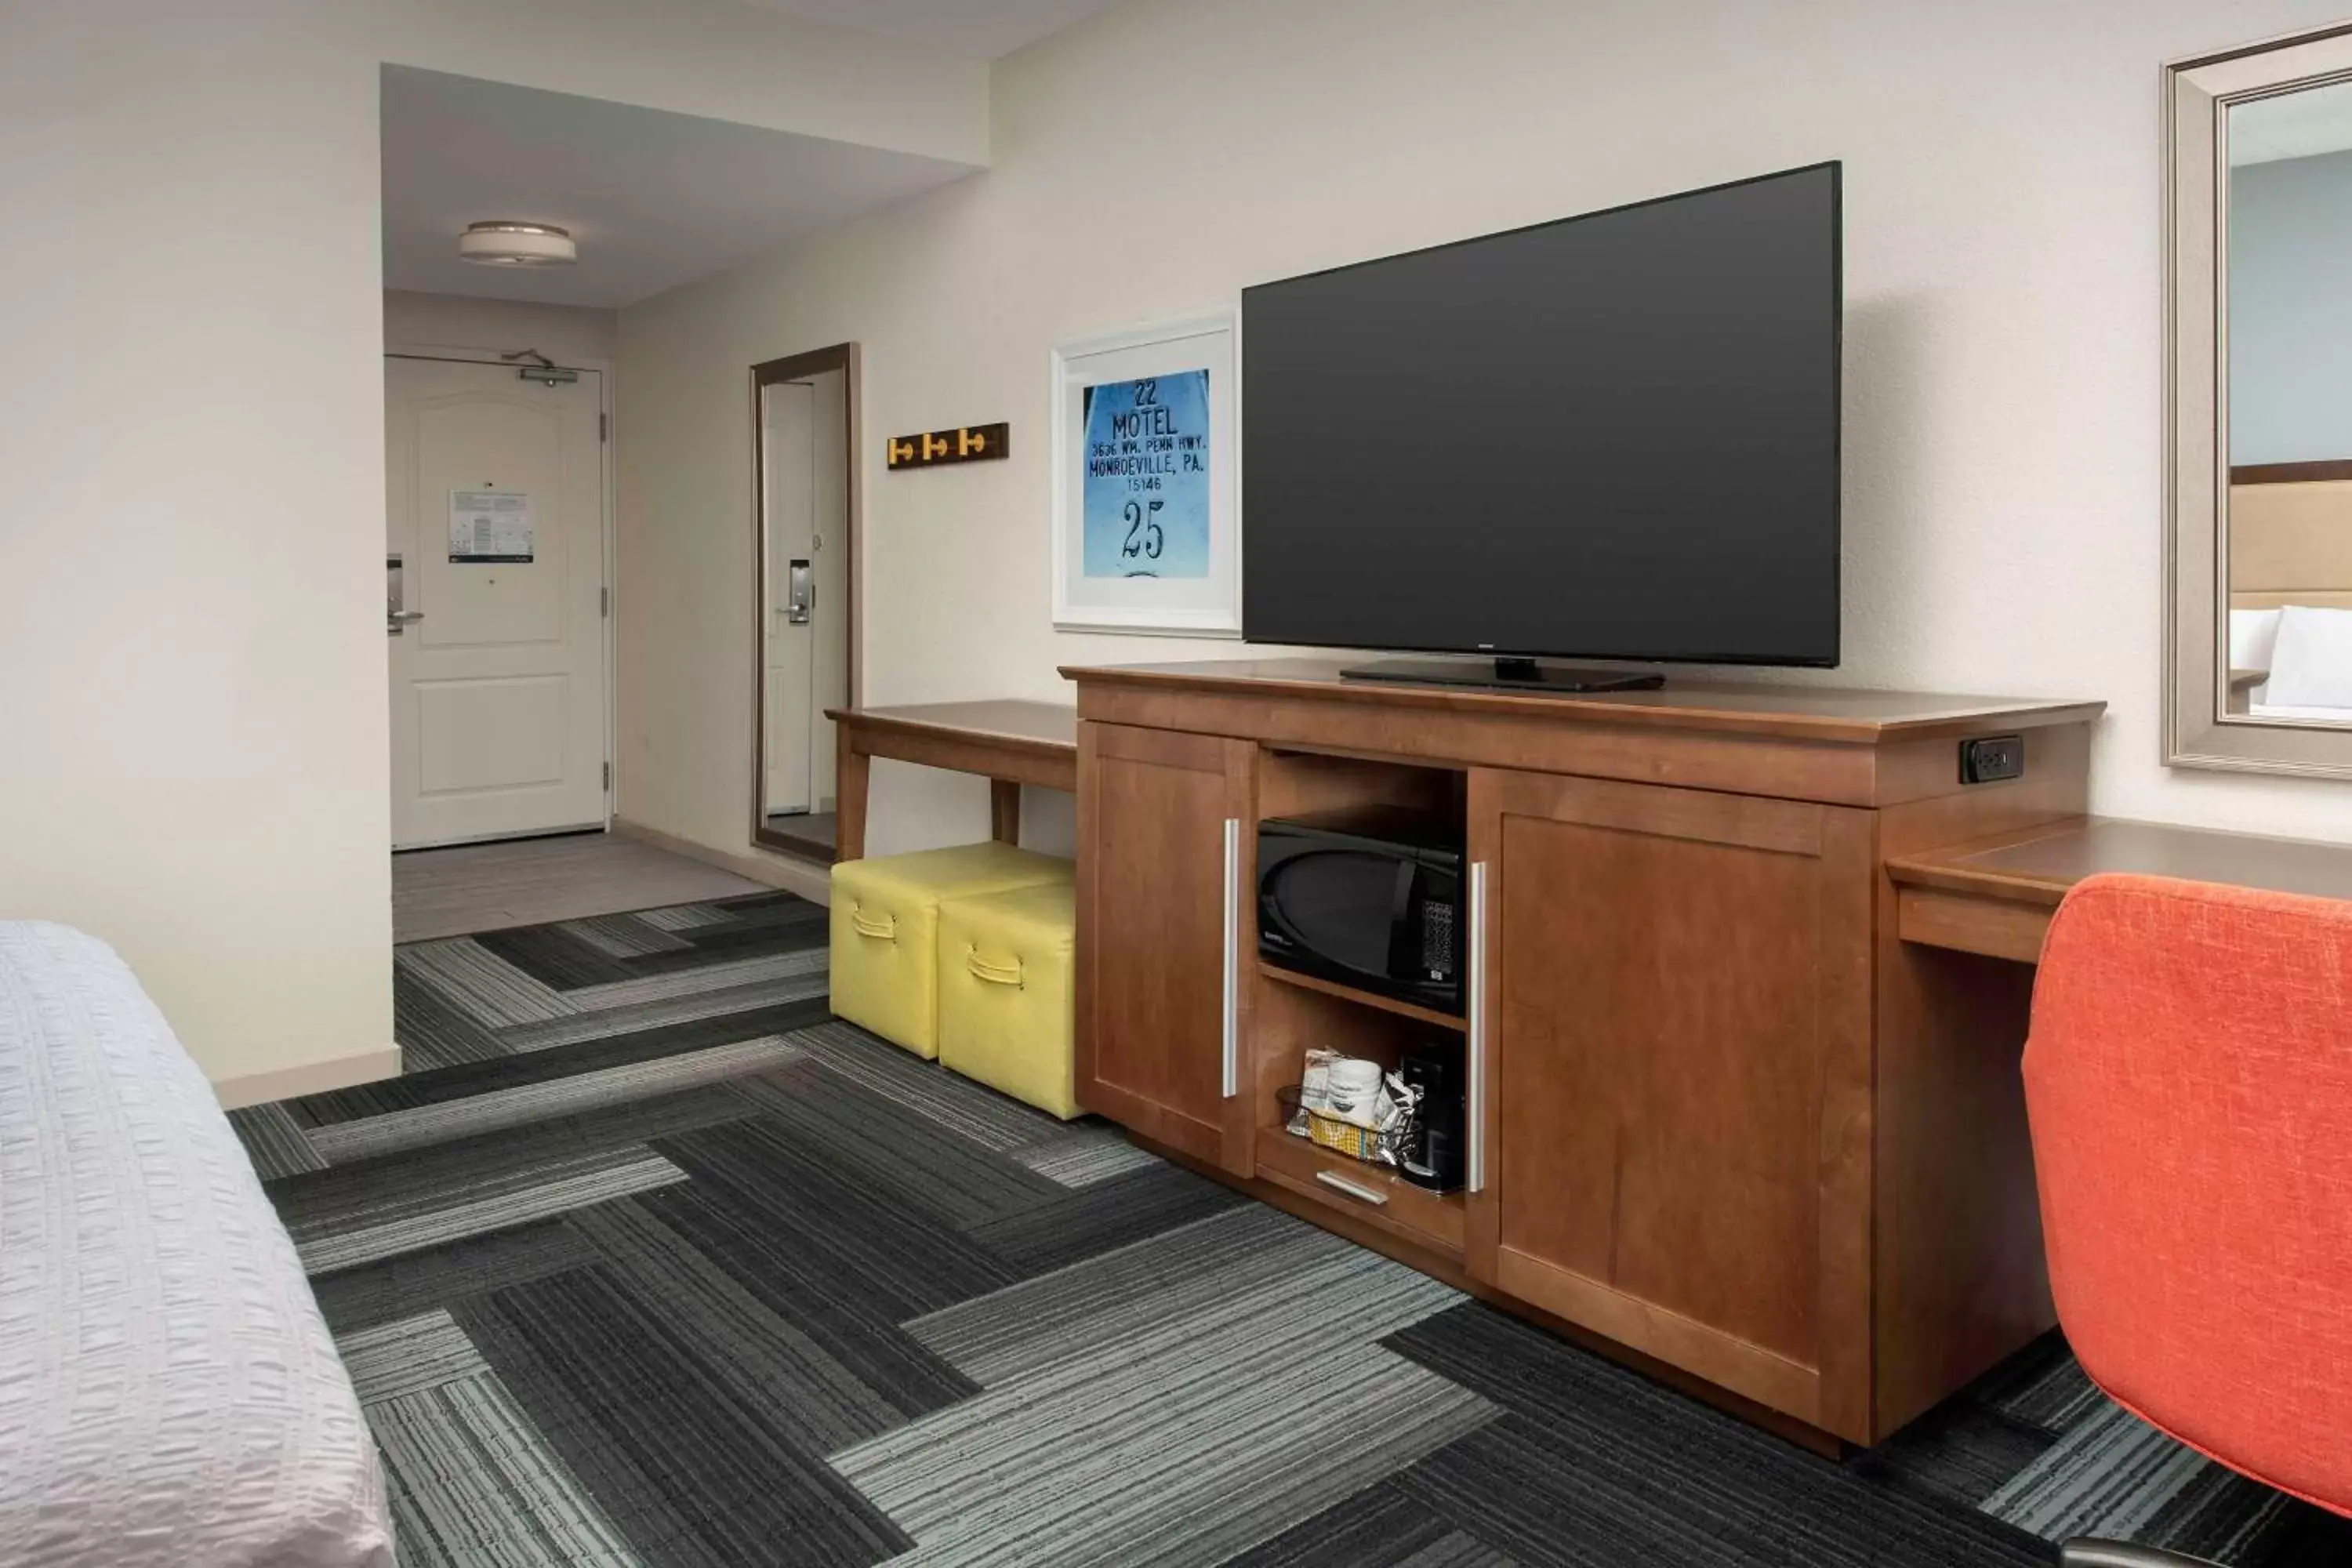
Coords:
2290,563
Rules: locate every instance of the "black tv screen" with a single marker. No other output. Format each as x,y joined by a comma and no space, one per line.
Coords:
1615,435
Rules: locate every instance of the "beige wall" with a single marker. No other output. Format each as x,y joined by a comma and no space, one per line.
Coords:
566,333
192,669
2003,415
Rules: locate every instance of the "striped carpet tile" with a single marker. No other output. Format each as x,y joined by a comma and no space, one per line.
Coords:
1116,1301
1378,1527
276,1141
758,1352
1222,1452
720,1002
415,1282
1591,1464
765,969
559,1186
2112,1474
864,1342
1223,1347
1079,1224
436,1086
624,936
464,974
433,1032
683,917
1083,1156
975,1114
472,1484
895,1260
372,1137
408,1355
826,1117
733,1470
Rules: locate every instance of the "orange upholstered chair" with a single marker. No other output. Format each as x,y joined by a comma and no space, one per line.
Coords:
2190,1085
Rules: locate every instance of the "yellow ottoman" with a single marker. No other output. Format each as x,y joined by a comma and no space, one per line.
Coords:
1005,963
885,915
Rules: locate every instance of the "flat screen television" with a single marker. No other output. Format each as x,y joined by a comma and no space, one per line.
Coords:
1612,437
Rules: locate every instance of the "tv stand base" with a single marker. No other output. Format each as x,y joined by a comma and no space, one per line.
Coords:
1504,674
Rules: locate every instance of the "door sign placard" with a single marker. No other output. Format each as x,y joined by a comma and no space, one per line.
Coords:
490,526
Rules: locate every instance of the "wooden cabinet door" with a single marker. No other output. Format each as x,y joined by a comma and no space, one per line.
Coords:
1167,844
1676,1044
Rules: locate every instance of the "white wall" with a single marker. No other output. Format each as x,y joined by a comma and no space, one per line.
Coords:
565,333
192,669
2290,310
2002,513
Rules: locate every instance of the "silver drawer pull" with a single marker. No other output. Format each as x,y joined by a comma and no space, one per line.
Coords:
1355,1190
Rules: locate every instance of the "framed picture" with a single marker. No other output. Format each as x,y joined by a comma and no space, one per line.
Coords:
1147,516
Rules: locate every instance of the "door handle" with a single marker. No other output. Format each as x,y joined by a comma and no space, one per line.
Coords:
1233,958
1476,980
800,593
396,593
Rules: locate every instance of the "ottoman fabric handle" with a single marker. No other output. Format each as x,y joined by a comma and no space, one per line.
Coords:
886,929
995,973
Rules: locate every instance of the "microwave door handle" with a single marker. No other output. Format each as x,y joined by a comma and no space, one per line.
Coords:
1404,934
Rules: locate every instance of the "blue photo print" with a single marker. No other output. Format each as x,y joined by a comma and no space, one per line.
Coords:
1147,491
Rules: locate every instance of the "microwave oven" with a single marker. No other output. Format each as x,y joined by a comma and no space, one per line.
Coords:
1368,899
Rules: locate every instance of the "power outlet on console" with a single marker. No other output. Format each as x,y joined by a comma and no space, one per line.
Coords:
1989,759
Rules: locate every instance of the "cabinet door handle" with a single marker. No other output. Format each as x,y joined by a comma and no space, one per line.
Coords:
1233,958
1477,1174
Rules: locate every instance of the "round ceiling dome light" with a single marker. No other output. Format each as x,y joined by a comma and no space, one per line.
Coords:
501,243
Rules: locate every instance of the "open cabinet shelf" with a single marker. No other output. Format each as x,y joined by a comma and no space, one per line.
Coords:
1403,1009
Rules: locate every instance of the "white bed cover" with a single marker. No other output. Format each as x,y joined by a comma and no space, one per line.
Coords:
169,1393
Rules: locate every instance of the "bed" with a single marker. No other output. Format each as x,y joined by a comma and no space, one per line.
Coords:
2290,532
169,1393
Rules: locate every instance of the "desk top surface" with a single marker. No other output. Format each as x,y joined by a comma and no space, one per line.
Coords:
1047,724
1755,707
2036,866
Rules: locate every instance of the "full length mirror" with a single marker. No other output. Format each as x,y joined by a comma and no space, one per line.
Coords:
2260,144
804,429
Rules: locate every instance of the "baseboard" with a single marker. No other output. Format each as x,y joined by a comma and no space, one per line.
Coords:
810,881
310,1077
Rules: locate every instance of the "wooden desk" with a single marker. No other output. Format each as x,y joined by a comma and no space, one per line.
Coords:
1010,743
1996,895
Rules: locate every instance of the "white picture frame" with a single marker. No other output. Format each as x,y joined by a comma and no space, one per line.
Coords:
1151,506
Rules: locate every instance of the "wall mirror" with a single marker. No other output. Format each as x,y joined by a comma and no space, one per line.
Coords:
805,515
2259,645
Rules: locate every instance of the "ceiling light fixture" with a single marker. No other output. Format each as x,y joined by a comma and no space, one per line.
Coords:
501,242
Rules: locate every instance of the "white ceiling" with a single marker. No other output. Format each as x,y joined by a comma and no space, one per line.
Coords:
2292,125
977,29
654,199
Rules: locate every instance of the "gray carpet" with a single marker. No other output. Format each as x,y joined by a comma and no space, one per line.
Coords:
649,1261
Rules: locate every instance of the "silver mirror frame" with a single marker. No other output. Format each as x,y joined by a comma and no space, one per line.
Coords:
844,358
2199,731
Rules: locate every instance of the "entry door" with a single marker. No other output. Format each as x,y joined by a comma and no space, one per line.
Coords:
495,556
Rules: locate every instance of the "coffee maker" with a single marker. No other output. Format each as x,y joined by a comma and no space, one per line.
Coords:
1433,1147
